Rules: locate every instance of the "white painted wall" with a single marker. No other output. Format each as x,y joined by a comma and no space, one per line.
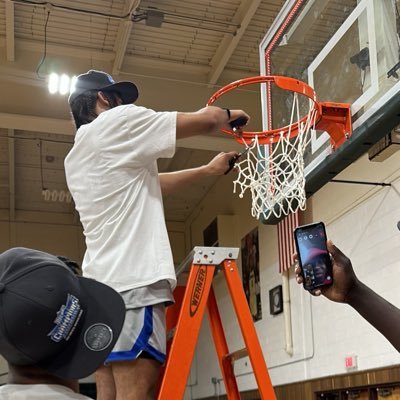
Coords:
361,220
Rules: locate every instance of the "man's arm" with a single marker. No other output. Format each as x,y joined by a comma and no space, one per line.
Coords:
172,181
384,316
347,288
207,120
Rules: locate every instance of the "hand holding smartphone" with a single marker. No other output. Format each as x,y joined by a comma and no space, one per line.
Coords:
314,258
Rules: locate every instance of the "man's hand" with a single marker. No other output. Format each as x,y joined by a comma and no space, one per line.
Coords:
220,163
240,117
172,181
344,278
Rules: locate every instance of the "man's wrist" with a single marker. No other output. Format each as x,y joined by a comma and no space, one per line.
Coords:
355,292
228,111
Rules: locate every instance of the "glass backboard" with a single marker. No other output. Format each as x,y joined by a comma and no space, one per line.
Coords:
347,50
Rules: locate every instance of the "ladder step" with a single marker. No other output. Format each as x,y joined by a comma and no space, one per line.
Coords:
237,355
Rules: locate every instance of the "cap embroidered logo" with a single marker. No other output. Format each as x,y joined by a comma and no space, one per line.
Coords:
67,318
110,78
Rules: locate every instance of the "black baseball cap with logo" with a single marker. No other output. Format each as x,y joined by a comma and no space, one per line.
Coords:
101,81
53,319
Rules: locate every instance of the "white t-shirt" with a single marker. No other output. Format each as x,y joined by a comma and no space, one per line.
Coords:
39,392
112,175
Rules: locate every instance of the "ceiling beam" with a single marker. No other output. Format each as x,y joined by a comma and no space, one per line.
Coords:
11,74
135,63
11,173
65,50
28,123
10,33
124,33
228,45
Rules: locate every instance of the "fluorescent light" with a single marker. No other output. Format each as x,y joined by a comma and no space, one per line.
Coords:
61,196
73,83
61,84
64,84
53,83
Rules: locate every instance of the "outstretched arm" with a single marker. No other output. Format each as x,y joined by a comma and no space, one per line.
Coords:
347,288
207,120
384,316
172,181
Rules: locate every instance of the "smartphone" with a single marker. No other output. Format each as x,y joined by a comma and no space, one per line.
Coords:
314,258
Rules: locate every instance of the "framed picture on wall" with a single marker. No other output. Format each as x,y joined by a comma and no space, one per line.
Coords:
251,272
275,300
210,234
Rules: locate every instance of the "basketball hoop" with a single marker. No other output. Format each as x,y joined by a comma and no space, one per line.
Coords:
274,174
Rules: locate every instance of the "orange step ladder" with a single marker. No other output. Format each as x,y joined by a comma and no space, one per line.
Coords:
202,263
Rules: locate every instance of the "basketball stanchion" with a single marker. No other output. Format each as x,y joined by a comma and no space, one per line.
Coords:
273,166
201,264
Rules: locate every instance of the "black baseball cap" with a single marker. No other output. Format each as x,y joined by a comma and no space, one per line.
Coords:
99,80
53,319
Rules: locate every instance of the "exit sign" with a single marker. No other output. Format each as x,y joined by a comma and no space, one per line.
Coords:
350,362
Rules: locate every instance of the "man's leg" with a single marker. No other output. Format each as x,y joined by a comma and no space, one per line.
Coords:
105,385
142,345
136,379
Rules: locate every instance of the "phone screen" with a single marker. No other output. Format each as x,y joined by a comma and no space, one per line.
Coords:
314,258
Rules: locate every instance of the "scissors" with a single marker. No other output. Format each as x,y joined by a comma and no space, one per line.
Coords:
237,123
233,160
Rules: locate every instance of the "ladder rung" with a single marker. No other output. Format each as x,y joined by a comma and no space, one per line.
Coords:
238,354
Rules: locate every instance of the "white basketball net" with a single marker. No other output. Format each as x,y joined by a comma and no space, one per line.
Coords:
274,174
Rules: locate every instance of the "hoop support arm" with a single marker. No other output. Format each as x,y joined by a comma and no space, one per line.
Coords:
336,120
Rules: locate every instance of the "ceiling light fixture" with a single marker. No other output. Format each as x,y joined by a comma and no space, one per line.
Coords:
155,18
61,84
60,196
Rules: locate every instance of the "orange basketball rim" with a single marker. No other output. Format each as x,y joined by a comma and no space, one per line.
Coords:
334,118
